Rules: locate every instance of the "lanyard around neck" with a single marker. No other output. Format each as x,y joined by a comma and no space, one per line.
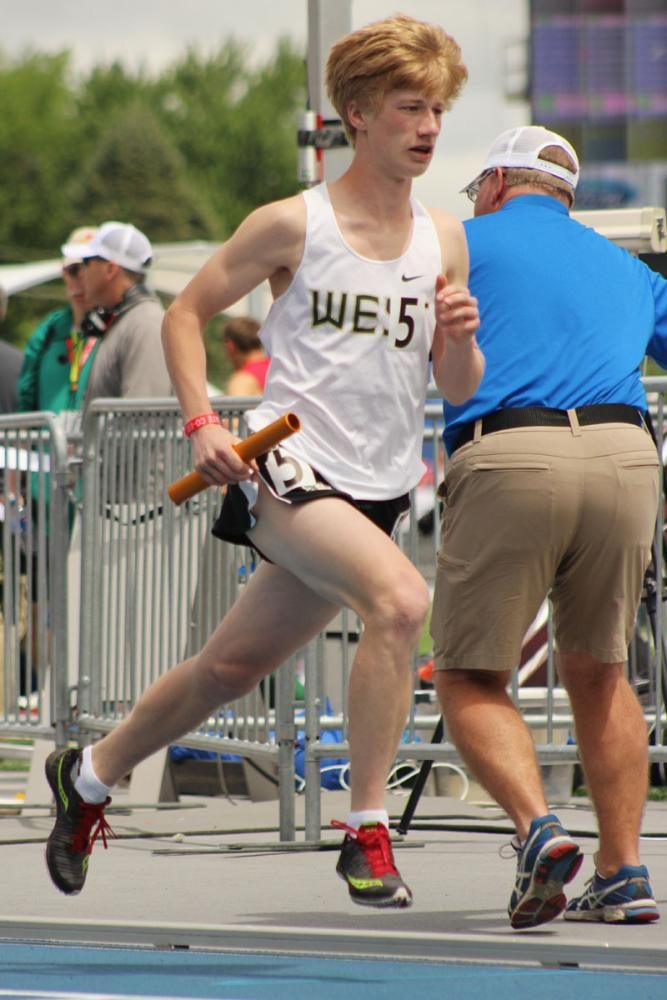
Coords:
79,350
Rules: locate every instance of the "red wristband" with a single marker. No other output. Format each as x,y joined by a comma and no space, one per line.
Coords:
196,422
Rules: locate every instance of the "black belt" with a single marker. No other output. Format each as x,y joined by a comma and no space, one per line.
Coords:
544,416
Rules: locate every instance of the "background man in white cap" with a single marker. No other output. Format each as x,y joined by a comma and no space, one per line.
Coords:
126,315
552,487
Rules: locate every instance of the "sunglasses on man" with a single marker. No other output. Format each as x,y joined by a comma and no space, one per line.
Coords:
73,270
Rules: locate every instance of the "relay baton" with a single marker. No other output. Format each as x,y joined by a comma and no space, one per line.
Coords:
255,444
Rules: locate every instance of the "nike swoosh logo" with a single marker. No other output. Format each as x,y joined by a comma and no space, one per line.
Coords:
412,277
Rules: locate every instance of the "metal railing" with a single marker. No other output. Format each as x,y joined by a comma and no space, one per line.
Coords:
33,554
114,585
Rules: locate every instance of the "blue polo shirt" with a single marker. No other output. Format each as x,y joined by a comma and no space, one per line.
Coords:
566,316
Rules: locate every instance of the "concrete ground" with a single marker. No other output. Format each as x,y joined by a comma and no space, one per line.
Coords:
211,872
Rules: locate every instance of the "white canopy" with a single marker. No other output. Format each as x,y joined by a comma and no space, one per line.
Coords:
17,277
174,264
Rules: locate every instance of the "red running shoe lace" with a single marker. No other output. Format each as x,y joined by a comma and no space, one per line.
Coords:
374,841
91,813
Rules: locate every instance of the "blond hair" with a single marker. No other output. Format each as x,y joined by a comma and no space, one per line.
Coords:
520,176
398,53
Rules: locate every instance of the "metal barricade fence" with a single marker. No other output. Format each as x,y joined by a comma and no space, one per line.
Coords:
34,526
146,585
155,584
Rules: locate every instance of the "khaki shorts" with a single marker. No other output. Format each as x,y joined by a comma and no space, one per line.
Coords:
530,511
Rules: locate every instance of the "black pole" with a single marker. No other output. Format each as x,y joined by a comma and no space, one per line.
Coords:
418,787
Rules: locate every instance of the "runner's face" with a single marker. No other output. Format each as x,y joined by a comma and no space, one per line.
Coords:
405,129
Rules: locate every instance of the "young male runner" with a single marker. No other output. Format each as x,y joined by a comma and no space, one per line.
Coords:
353,267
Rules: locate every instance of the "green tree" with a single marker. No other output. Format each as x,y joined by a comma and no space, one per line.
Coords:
235,126
103,95
185,154
38,140
136,174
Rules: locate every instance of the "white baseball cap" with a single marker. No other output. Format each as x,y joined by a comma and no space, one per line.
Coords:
119,242
521,147
76,241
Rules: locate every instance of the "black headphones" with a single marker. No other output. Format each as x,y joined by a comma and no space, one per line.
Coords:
97,321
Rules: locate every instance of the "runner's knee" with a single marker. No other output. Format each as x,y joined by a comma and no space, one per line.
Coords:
228,681
402,609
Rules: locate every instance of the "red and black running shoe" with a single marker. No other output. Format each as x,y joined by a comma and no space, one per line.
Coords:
366,863
77,827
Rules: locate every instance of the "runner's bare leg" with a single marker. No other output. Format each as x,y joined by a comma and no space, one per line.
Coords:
337,558
346,559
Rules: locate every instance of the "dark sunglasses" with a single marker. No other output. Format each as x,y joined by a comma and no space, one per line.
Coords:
74,270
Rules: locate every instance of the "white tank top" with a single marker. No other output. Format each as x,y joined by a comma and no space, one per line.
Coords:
349,342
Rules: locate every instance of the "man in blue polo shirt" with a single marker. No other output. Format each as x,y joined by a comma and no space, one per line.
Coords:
552,487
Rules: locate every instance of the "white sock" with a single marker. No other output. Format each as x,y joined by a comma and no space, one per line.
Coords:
86,782
357,819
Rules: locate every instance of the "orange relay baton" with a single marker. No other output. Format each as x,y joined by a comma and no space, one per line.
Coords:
255,444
